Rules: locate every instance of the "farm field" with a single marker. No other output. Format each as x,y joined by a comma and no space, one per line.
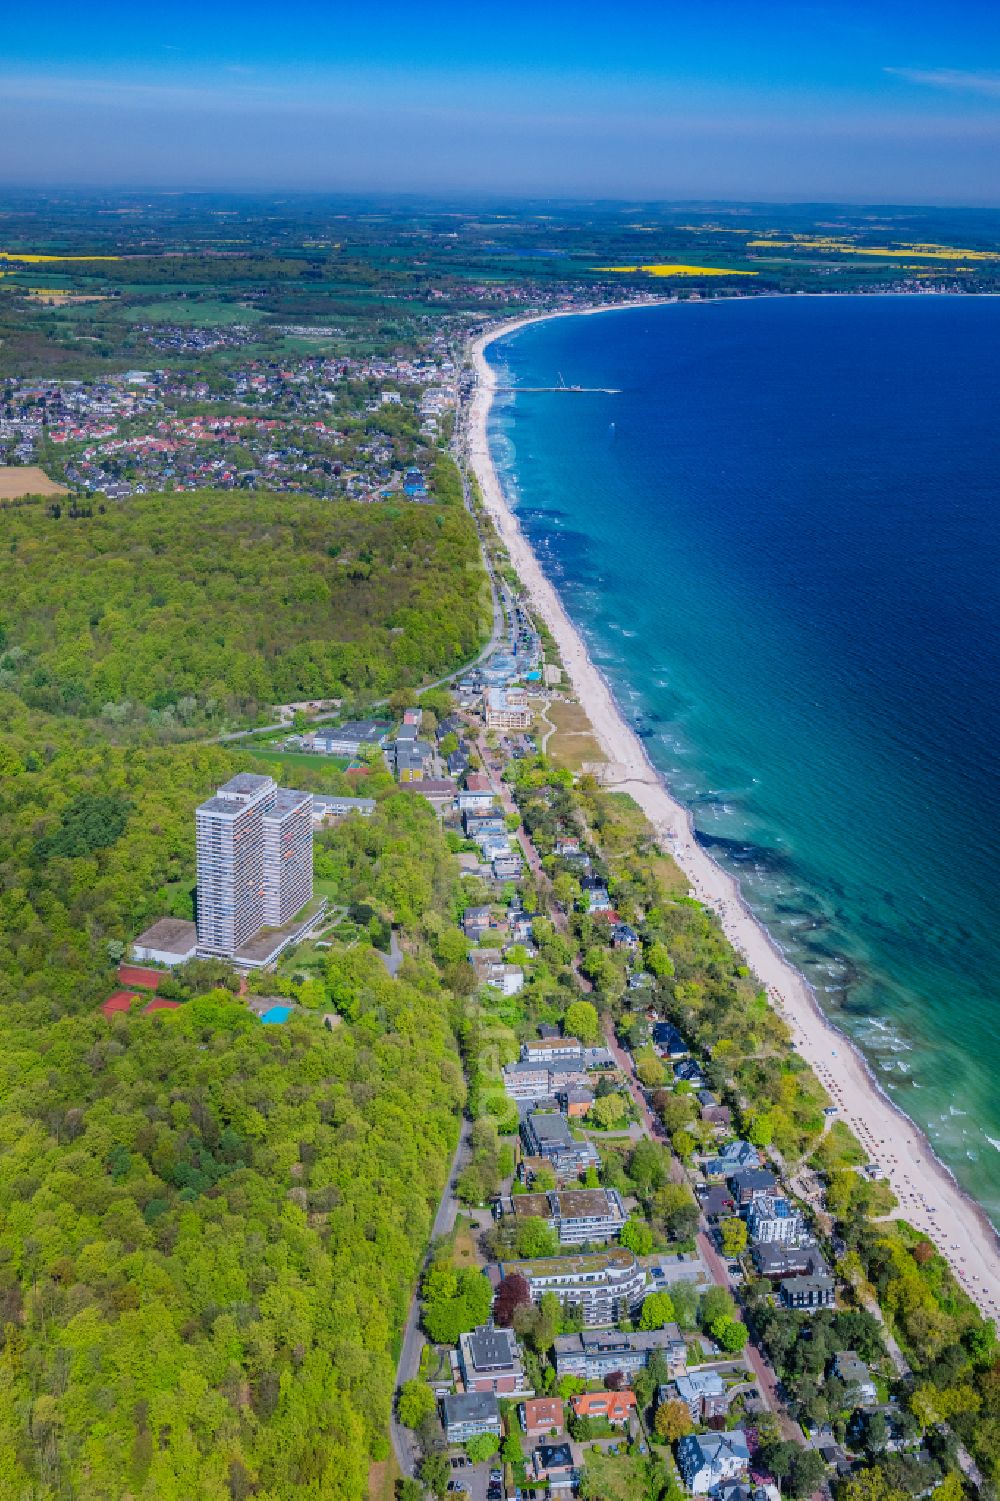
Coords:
208,314
17,480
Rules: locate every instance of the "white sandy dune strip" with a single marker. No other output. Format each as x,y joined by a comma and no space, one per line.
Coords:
929,1196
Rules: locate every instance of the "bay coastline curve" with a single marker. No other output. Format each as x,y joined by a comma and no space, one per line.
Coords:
930,1198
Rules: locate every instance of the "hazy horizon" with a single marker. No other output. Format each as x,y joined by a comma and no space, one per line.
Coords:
819,103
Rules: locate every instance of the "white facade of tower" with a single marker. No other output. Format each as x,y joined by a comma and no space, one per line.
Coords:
254,847
288,873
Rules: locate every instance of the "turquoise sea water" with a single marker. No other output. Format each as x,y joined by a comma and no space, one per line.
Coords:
781,542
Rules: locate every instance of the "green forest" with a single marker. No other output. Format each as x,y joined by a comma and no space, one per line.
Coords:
173,611
210,1228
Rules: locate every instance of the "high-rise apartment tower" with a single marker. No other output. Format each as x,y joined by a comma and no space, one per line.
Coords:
254,844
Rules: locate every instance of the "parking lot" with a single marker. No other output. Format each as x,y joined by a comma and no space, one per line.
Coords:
475,1481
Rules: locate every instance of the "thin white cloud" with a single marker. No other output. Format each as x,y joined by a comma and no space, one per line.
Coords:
951,78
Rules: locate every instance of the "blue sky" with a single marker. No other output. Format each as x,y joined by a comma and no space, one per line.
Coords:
884,101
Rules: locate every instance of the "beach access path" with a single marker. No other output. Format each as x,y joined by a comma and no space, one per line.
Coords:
929,1196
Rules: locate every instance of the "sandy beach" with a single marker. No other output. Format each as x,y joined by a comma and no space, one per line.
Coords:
929,1197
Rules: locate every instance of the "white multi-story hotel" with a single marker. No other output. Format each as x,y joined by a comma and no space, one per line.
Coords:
254,845
288,838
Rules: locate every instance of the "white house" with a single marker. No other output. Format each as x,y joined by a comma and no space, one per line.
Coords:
708,1459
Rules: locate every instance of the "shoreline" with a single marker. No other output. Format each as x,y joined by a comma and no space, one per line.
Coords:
930,1197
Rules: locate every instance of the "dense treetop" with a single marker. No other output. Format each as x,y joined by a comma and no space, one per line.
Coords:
209,1229
216,604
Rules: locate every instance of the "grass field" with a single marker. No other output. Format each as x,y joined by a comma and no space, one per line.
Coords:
183,310
26,479
299,758
573,743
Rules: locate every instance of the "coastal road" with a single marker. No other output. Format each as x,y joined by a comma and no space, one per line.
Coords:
502,792
408,1366
766,1378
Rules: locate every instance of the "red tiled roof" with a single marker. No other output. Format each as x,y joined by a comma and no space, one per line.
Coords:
543,1412
133,974
159,1004
613,1405
476,781
120,1001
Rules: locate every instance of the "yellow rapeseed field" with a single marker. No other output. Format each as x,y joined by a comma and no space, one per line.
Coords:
664,270
847,247
37,260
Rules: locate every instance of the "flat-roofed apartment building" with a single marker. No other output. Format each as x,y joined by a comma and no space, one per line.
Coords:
507,709
254,847
577,1215
605,1286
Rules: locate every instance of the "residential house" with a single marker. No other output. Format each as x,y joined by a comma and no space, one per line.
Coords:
708,1460
613,1407
552,1049
597,896
624,937
450,725
853,1372
604,1287
743,1490
493,846
541,1416
552,1464
899,1432
668,1042
689,1072
712,1112
348,739
476,795
507,978
507,867
703,1393
772,1218
476,922
458,762
468,1414
754,1183
547,1134
327,807
735,1157
522,929
479,826
595,1354
576,1102
776,1261
490,1361
410,757
815,1290
578,1215
544,1081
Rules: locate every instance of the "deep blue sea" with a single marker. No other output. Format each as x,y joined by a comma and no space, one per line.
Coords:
781,541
